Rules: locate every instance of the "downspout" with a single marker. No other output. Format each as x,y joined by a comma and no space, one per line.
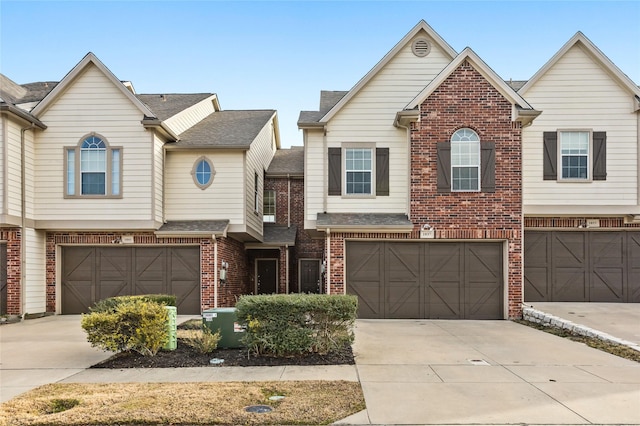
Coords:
325,170
328,268
23,220
286,278
215,272
408,183
288,201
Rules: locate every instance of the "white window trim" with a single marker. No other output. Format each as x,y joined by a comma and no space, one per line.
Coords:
345,147
479,165
275,194
589,178
78,173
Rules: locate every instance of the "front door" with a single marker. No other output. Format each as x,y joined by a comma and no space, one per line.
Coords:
310,276
267,276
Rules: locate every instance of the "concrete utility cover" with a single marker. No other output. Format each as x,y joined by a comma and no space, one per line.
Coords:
258,409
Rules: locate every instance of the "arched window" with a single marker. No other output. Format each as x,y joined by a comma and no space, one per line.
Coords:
465,161
203,172
93,168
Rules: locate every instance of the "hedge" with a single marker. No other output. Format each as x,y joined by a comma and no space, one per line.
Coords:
289,324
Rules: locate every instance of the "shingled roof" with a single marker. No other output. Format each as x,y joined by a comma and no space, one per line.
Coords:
165,106
328,99
14,93
226,129
287,162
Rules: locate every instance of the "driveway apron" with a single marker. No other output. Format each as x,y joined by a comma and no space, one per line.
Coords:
488,372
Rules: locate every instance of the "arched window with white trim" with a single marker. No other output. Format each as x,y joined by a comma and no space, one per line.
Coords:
93,168
465,160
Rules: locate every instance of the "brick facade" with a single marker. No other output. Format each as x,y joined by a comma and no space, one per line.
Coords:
13,238
577,222
291,190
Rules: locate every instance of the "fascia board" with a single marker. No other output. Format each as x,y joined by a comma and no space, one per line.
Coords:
592,50
68,79
421,26
482,68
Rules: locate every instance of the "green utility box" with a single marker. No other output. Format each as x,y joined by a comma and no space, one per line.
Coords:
172,328
225,320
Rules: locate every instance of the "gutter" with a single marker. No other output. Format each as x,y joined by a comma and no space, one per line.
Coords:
24,115
154,123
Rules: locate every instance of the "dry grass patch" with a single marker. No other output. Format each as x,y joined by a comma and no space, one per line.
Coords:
309,403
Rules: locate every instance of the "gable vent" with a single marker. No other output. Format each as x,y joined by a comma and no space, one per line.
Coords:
421,47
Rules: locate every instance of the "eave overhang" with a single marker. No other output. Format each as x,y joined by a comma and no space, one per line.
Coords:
11,109
160,127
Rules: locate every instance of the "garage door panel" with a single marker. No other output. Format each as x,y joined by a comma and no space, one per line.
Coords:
365,278
90,274
402,273
444,301
604,269
369,298
403,300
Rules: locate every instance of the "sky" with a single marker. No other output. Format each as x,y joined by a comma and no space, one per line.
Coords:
280,55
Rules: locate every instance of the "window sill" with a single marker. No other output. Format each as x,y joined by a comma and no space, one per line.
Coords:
574,180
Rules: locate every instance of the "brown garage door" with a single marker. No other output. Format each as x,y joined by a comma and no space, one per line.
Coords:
426,280
90,274
3,279
595,266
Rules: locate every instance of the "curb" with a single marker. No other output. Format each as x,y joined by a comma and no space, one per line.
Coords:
533,315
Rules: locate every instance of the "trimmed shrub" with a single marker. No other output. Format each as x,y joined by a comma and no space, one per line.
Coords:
288,324
110,304
202,340
132,325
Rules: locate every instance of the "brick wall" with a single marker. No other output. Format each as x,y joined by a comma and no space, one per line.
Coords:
466,99
306,247
12,236
576,222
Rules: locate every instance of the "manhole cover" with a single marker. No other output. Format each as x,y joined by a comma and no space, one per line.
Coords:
258,409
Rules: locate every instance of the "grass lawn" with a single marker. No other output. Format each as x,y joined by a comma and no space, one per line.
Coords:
306,403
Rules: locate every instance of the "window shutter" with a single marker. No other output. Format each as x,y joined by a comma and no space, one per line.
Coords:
335,171
382,171
488,164
444,166
599,155
550,159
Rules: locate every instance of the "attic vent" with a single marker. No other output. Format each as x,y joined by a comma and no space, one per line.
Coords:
421,47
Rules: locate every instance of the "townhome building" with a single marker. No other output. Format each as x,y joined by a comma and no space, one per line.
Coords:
444,191
108,192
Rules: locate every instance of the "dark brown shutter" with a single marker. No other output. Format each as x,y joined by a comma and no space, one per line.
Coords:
444,166
335,171
488,164
599,155
550,159
382,171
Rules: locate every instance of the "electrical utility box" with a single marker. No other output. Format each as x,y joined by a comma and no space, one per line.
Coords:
225,320
172,328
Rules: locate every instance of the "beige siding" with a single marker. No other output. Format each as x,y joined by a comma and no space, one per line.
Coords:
93,104
35,272
258,158
315,175
13,173
158,156
223,199
190,116
3,168
368,118
576,93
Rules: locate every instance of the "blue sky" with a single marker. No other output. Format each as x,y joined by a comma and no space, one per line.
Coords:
279,55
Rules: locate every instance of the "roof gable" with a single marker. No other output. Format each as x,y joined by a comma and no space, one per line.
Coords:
522,111
421,26
579,39
69,79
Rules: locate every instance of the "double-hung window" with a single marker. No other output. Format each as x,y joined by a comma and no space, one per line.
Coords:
269,206
93,169
358,171
465,161
574,153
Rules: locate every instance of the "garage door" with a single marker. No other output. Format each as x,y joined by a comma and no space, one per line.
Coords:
426,280
90,274
596,266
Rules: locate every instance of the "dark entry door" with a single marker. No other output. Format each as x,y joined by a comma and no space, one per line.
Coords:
90,274
310,276
267,276
3,279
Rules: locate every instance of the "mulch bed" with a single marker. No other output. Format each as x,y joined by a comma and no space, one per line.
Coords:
185,356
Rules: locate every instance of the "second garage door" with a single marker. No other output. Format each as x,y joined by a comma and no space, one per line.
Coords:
90,274
426,280
585,266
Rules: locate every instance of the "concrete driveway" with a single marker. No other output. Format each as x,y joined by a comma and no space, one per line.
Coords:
488,372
